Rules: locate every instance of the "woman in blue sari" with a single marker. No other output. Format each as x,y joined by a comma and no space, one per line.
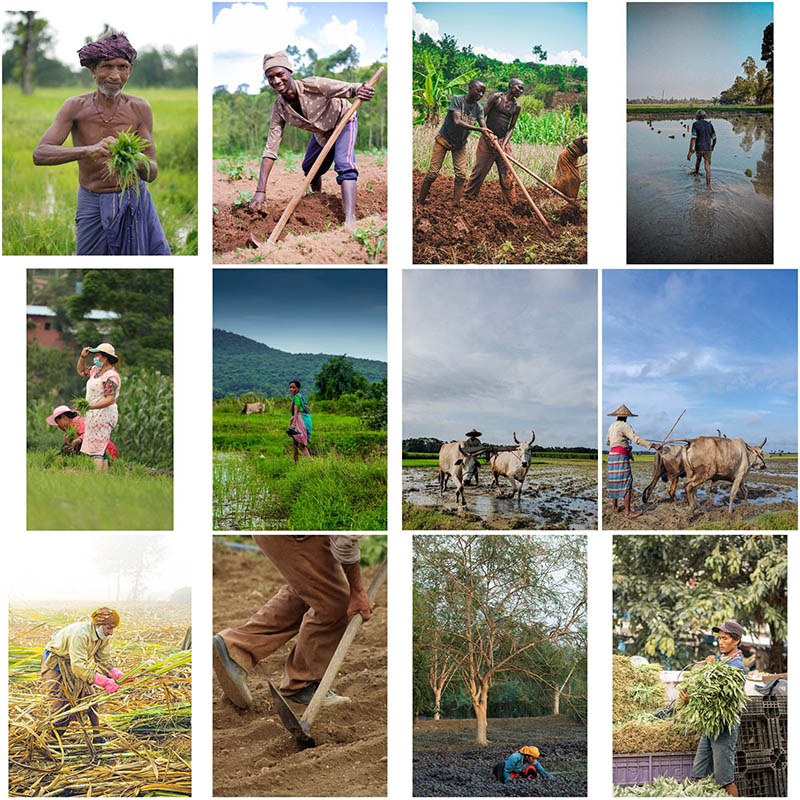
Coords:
300,404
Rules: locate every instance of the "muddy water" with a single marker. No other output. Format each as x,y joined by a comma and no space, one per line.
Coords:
773,489
239,500
555,496
674,218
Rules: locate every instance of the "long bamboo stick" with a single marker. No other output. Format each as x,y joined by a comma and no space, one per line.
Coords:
544,182
289,210
521,185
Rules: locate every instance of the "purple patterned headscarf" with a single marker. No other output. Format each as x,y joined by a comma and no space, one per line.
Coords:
115,46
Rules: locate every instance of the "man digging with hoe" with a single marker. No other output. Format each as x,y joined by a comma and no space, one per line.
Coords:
316,105
108,221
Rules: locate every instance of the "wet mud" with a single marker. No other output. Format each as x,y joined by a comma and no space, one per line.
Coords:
447,763
487,230
555,496
253,754
773,489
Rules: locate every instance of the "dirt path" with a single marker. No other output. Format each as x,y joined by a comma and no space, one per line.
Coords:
487,231
313,234
254,755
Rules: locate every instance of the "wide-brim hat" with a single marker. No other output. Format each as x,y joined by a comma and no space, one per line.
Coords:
473,433
106,349
529,751
730,626
622,411
58,411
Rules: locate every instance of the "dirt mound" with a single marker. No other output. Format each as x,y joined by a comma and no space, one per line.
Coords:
487,231
254,755
317,213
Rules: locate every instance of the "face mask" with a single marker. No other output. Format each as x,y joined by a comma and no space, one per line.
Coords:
97,362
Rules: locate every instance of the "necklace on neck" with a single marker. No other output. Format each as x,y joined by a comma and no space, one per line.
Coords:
113,113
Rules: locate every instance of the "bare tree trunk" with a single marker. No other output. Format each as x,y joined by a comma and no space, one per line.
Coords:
30,50
437,698
556,702
480,704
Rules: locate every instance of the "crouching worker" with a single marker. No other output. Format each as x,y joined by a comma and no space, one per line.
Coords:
522,764
316,105
74,427
76,659
568,175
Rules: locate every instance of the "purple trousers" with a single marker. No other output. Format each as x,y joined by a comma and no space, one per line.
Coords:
342,155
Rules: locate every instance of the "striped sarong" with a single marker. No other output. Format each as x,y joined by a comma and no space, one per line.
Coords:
620,477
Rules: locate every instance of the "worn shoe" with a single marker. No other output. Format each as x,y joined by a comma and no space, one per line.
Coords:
232,678
304,696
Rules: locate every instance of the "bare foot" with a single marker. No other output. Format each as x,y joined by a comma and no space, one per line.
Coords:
634,514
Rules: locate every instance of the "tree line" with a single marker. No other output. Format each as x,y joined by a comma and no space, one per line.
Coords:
430,444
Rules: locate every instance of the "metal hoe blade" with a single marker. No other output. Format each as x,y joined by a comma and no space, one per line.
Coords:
293,725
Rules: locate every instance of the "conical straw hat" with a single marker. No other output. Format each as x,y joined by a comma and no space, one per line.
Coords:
473,433
622,411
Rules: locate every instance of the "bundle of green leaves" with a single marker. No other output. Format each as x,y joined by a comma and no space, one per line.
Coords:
716,698
126,157
81,405
669,787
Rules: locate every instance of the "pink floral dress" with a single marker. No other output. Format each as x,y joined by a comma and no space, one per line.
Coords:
100,421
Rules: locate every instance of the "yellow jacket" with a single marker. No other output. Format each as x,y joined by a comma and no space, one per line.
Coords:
86,652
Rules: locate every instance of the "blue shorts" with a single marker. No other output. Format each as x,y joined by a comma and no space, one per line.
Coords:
716,757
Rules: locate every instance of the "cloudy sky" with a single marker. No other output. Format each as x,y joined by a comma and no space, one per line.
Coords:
506,31
305,310
691,49
720,343
70,25
503,350
69,568
243,32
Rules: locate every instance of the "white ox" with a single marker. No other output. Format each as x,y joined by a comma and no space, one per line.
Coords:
513,464
457,463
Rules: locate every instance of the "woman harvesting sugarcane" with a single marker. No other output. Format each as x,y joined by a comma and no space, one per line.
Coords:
713,697
100,405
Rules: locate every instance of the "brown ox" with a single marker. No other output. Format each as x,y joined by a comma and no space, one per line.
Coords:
668,466
254,408
709,458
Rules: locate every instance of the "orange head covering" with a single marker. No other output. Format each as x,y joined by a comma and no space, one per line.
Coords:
105,616
529,751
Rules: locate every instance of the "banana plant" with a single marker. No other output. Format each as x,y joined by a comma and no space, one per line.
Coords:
436,91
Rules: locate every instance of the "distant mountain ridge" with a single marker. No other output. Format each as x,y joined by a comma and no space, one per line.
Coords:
244,365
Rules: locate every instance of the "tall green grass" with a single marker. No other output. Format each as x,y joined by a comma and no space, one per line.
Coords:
39,202
70,495
552,127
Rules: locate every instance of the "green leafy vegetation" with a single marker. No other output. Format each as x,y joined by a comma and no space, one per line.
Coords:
372,240
670,787
127,155
716,698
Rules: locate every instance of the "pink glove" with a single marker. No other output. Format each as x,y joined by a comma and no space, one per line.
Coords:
109,685
115,673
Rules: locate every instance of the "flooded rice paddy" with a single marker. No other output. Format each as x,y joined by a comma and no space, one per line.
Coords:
240,499
557,495
674,218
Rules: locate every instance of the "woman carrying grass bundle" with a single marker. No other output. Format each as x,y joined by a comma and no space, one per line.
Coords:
299,408
102,391
717,719
112,138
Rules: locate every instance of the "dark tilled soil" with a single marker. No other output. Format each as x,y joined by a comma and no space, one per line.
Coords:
487,231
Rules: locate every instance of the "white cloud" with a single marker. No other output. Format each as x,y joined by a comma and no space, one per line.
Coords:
424,25
492,53
566,58
340,35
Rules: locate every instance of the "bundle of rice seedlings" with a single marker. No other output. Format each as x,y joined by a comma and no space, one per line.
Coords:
81,405
669,787
716,698
635,688
653,736
126,157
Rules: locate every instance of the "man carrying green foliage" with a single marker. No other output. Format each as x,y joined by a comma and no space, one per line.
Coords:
718,716
112,141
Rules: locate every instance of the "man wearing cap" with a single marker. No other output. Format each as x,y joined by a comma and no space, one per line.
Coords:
76,659
522,764
620,477
316,105
715,756
323,590
102,391
703,141
74,426
108,221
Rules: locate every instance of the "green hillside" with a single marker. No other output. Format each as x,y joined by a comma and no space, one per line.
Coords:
242,365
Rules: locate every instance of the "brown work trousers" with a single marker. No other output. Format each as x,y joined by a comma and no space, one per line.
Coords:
568,176
312,606
485,157
54,690
440,150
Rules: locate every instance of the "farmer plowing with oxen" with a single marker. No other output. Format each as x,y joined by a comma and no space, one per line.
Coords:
76,659
112,141
316,105
620,477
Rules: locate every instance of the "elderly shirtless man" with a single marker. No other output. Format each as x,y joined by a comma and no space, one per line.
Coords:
316,105
108,222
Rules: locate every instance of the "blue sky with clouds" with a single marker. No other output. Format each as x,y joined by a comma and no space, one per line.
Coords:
691,49
305,310
509,30
720,343
503,350
243,32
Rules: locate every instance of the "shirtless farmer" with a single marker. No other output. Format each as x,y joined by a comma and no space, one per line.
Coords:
108,222
501,112
316,105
